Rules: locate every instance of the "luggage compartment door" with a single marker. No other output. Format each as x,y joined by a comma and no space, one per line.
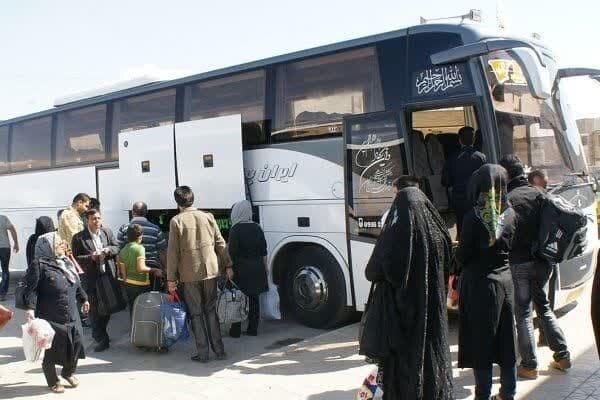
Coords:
147,167
209,160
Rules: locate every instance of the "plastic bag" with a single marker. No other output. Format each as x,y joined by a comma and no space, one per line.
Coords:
372,386
269,303
37,337
453,294
174,316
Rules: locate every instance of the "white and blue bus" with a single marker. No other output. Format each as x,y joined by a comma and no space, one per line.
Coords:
314,139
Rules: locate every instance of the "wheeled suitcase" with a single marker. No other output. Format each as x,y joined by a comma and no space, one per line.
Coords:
146,321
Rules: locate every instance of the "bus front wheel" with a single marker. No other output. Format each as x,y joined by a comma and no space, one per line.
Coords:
315,289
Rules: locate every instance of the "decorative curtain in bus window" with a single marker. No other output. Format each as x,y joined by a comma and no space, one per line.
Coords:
375,157
238,94
80,135
140,112
4,148
30,146
314,95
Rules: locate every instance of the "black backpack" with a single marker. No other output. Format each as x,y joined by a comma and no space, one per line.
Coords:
563,232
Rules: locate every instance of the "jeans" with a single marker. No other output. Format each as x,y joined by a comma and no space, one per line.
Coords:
4,261
201,301
531,286
253,317
483,383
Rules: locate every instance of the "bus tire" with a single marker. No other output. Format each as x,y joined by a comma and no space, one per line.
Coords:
315,289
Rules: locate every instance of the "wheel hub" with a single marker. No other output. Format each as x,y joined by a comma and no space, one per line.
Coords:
310,288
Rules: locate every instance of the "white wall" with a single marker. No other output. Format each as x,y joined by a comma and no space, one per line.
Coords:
27,196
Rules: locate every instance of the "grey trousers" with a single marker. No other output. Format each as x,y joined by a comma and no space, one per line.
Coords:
201,301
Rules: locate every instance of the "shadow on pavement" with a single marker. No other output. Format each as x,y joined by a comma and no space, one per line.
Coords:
334,395
16,390
11,354
581,381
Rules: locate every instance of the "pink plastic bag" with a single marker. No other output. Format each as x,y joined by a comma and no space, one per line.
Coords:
37,338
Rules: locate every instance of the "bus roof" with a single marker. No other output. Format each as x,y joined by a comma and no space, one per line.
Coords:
470,33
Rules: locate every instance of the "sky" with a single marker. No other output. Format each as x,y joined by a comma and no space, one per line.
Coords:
49,49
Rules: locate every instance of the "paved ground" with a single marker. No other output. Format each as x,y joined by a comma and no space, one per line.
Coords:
324,366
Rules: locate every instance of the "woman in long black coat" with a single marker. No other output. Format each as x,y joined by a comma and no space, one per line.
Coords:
248,250
53,288
486,329
405,325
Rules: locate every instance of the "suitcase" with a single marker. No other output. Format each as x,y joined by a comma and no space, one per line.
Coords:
146,321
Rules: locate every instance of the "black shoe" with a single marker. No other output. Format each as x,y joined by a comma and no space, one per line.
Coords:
200,359
222,356
101,347
251,333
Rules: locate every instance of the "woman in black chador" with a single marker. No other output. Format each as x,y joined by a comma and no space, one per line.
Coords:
486,330
405,327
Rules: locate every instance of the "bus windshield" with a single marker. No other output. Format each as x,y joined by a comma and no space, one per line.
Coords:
529,127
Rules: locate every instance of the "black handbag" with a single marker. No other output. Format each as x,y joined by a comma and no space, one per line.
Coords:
380,329
110,295
20,291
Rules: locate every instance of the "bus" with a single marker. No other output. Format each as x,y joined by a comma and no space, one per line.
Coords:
314,140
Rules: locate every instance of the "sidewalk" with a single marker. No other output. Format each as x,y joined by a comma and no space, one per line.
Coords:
323,367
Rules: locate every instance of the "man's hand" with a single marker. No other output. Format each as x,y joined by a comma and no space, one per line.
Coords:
16,248
171,286
85,307
229,272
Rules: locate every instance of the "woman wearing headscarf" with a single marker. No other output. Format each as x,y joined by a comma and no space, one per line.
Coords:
405,328
53,288
248,250
486,329
42,225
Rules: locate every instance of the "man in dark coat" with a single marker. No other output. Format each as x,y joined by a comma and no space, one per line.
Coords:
458,171
531,275
405,327
96,249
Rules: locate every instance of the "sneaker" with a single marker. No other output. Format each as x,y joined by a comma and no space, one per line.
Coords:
561,365
527,373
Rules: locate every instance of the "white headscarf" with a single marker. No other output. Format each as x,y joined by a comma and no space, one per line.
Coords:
241,212
45,251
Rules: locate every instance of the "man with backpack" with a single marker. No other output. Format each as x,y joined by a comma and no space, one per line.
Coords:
531,274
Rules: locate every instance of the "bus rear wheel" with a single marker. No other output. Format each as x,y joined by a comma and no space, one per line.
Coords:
315,289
